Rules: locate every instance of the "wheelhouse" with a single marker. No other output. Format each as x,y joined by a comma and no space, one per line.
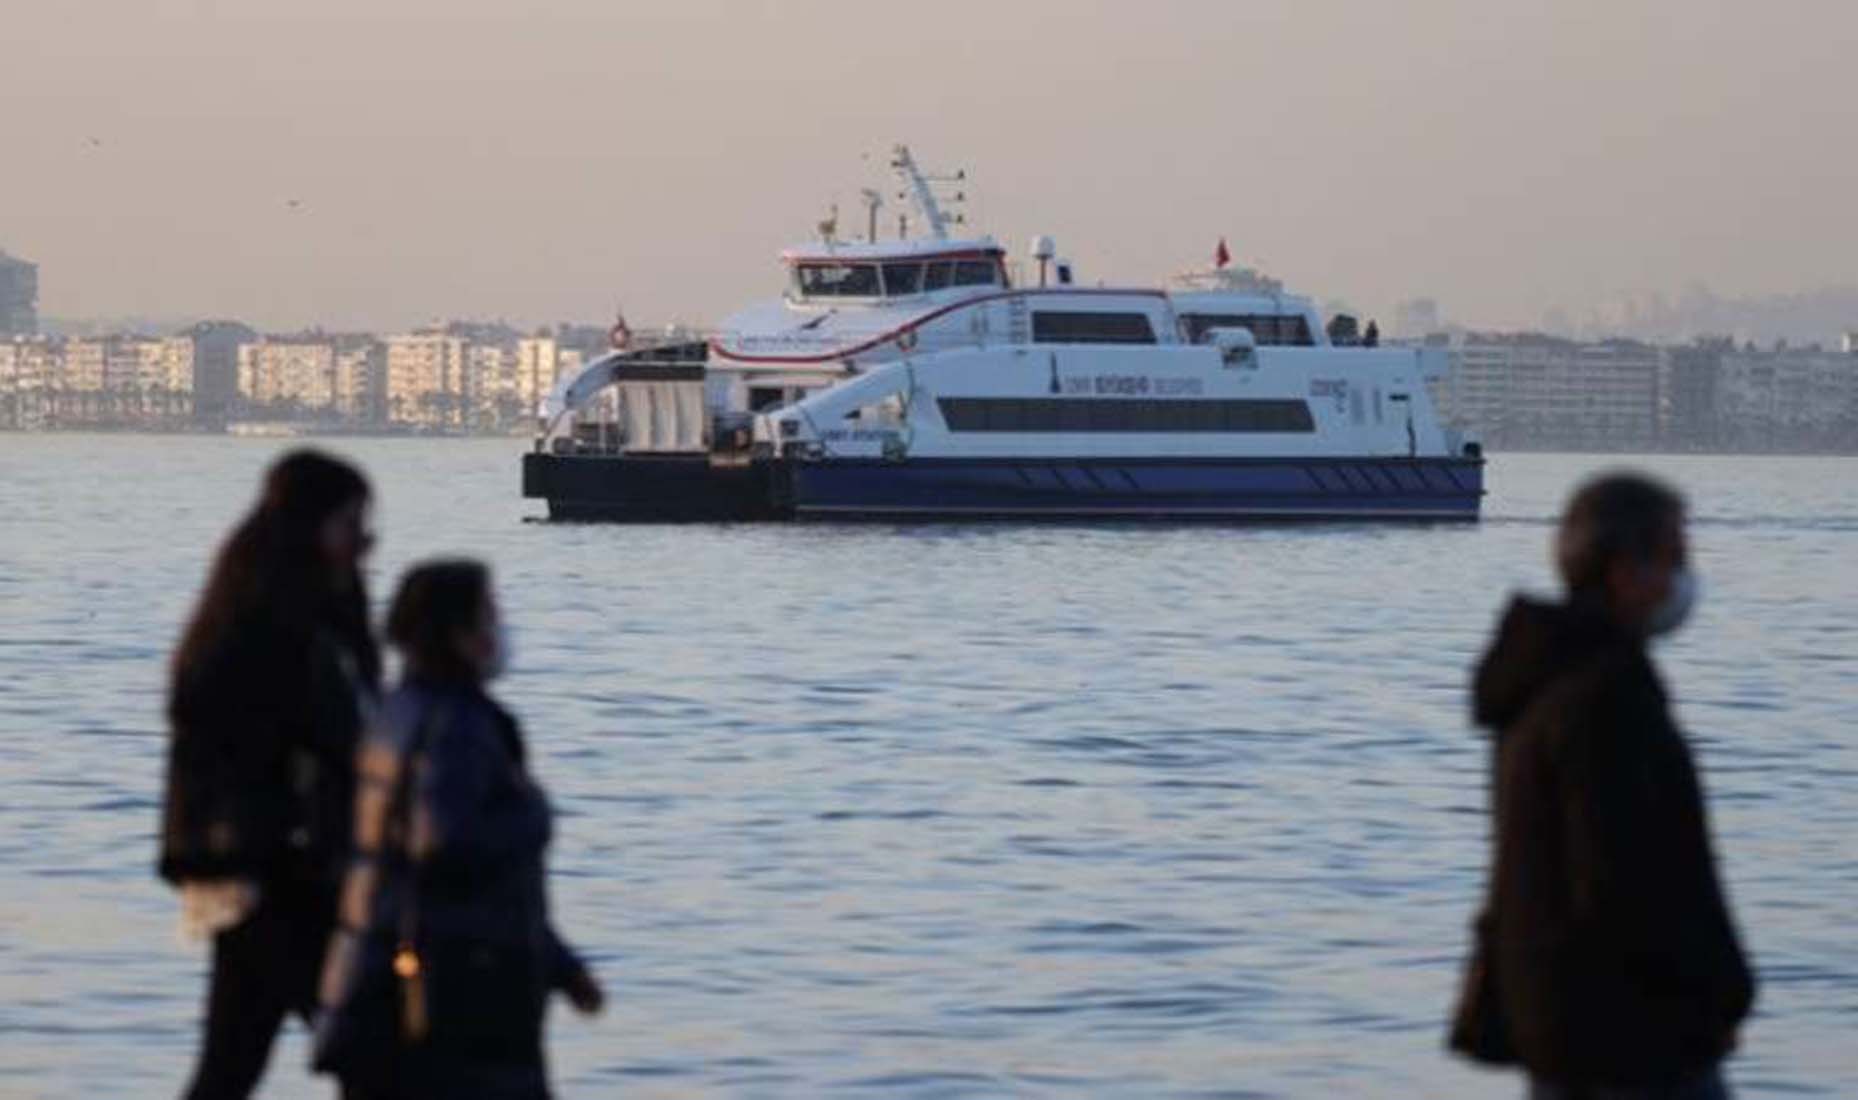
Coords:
873,274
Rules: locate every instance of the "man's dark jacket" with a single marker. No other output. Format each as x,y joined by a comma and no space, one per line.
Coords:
1605,954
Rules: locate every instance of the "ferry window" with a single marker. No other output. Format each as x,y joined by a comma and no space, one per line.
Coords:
1294,331
938,274
1082,414
903,278
1091,328
1269,330
976,273
838,280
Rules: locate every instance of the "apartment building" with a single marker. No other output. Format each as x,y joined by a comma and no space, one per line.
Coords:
82,367
216,347
426,380
135,364
1786,399
19,296
1530,390
539,364
29,367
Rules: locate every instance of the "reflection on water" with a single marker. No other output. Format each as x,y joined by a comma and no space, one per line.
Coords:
946,811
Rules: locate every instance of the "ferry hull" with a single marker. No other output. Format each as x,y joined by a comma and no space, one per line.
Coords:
650,489
1185,489
645,489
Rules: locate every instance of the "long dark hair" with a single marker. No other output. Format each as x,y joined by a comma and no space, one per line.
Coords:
270,567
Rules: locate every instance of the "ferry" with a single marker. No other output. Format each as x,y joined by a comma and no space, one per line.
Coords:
914,379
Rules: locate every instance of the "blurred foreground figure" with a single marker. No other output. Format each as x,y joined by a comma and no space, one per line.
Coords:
440,971
1606,963
269,683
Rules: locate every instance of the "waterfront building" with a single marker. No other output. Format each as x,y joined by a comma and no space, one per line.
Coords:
215,369
10,401
137,364
538,365
506,379
81,368
490,385
117,381
1530,390
150,379
426,380
288,375
29,367
1689,412
360,378
19,296
1787,399
178,364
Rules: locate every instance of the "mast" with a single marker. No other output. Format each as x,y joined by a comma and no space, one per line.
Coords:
917,188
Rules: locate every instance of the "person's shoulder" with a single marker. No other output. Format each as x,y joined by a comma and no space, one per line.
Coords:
402,703
1622,679
1613,699
454,710
253,651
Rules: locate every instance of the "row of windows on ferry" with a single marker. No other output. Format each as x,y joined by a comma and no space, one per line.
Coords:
1147,415
837,280
1101,327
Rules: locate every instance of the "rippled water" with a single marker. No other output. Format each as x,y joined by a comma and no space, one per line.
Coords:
968,811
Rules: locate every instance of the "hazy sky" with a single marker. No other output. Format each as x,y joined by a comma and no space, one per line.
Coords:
542,159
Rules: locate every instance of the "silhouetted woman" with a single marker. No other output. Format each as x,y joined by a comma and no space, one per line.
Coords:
268,688
444,960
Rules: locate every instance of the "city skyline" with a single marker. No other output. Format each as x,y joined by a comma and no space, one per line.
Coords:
373,167
1513,390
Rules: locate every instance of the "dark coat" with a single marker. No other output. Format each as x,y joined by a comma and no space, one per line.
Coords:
457,870
261,758
1606,947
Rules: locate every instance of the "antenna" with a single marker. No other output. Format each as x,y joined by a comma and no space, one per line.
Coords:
917,187
872,201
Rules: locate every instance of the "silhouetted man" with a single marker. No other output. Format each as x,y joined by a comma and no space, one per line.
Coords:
1606,963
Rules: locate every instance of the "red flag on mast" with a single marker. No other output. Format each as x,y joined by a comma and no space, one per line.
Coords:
1222,255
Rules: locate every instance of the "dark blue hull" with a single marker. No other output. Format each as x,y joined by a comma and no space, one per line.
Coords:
1230,489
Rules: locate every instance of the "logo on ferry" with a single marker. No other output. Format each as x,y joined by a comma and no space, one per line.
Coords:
1126,385
1336,388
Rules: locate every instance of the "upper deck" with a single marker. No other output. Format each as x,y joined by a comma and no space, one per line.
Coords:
828,276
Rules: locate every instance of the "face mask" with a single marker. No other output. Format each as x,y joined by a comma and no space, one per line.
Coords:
499,654
1677,605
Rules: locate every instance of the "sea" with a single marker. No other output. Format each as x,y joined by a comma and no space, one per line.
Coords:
947,811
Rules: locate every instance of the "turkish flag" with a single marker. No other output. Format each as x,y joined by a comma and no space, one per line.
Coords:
1222,255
